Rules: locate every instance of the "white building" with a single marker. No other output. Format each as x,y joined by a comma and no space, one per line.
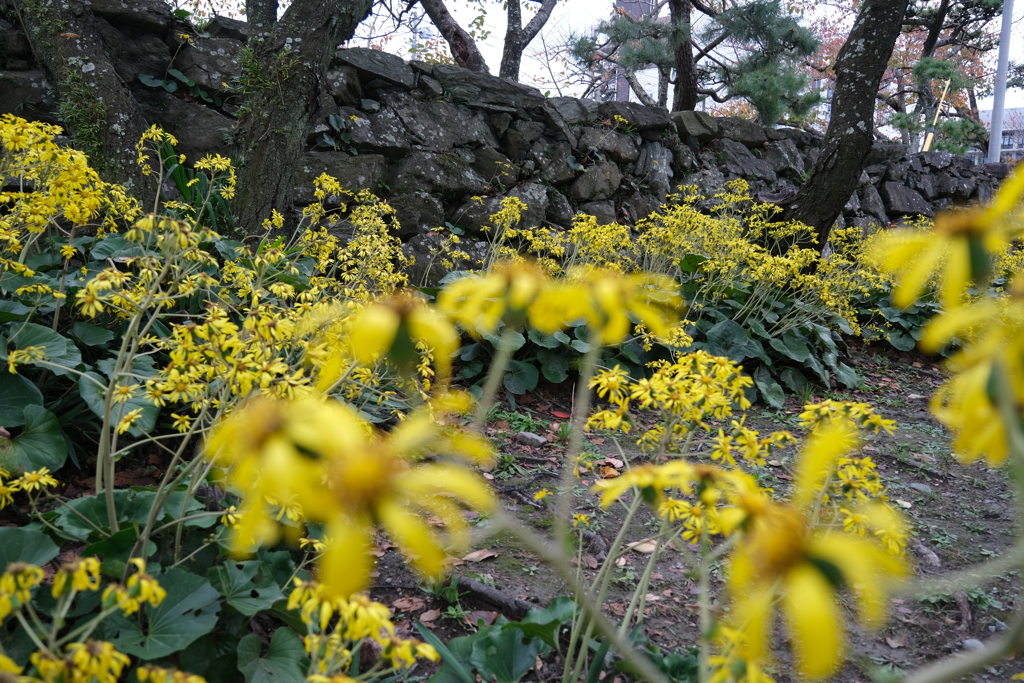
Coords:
1012,144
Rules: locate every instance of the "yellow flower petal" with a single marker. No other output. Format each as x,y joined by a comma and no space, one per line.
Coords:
814,620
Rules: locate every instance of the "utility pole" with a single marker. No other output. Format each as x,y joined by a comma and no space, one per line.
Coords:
995,140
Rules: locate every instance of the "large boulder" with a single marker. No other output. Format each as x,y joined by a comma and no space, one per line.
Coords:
29,95
641,118
900,200
698,125
200,130
483,91
379,133
343,85
600,181
353,173
223,27
377,65
142,16
449,175
13,43
654,168
737,159
144,54
574,111
616,146
552,161
744,131
603,211
440,126
871,204
475,213
955,187
416,213
885,153
211,62
495,168
785,158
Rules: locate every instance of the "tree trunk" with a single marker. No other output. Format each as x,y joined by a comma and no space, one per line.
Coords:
102,118
859,68
270,139
926,103
462,45
518,38
637,88
261,15
685,96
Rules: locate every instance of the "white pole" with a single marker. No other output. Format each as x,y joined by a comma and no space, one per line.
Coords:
995,140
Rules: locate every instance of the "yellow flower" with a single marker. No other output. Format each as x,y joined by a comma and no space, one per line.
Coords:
19,580
580,519
479,303
82,574
182,422
611,384
154,674
68,251
7,492
36,480
393,327
351,479
128,419
7,665
142,587
542,494
96,659
652,480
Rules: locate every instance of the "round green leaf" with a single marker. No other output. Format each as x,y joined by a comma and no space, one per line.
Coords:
521,377
16,393
42,442
282,662
25,545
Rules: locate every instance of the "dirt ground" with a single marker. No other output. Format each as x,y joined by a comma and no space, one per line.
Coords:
960,515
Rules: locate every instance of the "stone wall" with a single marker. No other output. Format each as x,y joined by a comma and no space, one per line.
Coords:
435,139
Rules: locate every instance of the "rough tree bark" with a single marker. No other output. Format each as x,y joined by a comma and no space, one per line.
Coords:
103,119
284,101
684,97
260,14
462,45
859,68
517,37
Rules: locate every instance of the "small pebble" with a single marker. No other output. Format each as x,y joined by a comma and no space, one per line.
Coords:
923,488
531,439
973,644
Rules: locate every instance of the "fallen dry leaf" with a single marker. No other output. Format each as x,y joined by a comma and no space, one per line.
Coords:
590,561
409,604
479,555
609,472
562,414
645,546
434,520
430,615
894,642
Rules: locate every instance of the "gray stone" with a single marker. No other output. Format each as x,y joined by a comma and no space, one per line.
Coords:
200,130
640,118
440,126
559,209
29,95
13,43
530,439
422,67
447,175
683,159
923,488
354,173
211,62
500,122
868,226
530,130
343,85
955,187
142,54
428,268
737,159
515,145
144,16
937,160
885,152
897,172
486,92
973,644
369,106
416,213
925,184
871,204
600,181
610,143
223,27
380,133
376,64
998,170
654,168
698,125
495,168
985,190
639,206
557,123
900,200
708,180
475,213
430,87
802,138
574,111
852,204
742,130
603,211
552,161
785,158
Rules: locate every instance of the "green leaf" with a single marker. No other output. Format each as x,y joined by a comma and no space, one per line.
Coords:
88,513
181,77
25,545
42,443
580,345
116,550
691,262
456,654
151,81
847,376
521,377
769,388
16,393
545,623
518,340
506,655
543,340
554,365
91,335
901,340
281,664
729,339
187,613
794,379
93,397
12,310
59,349
246,586
791,346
